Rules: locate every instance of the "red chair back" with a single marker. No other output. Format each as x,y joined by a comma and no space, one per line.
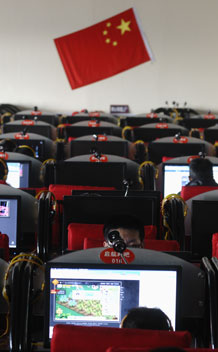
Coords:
77,232
4,244
188,192
71,338
215,245
156,245
136,349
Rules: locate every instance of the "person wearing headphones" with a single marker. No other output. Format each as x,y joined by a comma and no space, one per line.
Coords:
201,173
130,229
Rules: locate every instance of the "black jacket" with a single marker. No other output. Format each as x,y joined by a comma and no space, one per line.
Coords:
202,182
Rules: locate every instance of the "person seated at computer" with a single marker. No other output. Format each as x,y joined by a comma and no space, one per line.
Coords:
201,173
146,318
130,229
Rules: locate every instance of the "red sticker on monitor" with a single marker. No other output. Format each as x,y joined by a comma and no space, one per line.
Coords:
152,115
110,256
192,158
21,136
103,159
36,113
93,123
161,125
101,138
4,156
94,114
181,140
28,122
209,117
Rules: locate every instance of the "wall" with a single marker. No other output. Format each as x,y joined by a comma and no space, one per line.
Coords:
182,37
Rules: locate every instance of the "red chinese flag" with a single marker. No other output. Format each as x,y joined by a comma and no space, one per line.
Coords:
103,50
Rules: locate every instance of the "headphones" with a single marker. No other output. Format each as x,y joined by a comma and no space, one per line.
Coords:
5,169
174,196
27,147
22,257
53,204
164,212
43,166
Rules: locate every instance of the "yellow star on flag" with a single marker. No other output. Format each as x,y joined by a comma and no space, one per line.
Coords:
124,26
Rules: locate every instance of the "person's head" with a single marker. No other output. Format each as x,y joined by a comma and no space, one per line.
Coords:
146,318
130,229
3,170
201,169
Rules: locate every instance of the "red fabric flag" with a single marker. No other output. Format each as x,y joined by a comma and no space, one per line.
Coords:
103,50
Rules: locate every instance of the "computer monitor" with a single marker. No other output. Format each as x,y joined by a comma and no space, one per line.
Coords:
78,131
152,131
41,128
99,209
79,147
101,174
101,295
10,218
144,120
167,147
204,225
18,173
175,176
37,145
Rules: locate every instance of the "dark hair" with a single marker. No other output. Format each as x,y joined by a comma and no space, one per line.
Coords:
201,168
126,222
146,318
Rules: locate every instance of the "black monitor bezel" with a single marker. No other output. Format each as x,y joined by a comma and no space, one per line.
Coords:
33,143
184,149
103,147
51,119
210,134
49,265
131,193
84,173
150,134
201,231
145,120
41,130
97,210
79,131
